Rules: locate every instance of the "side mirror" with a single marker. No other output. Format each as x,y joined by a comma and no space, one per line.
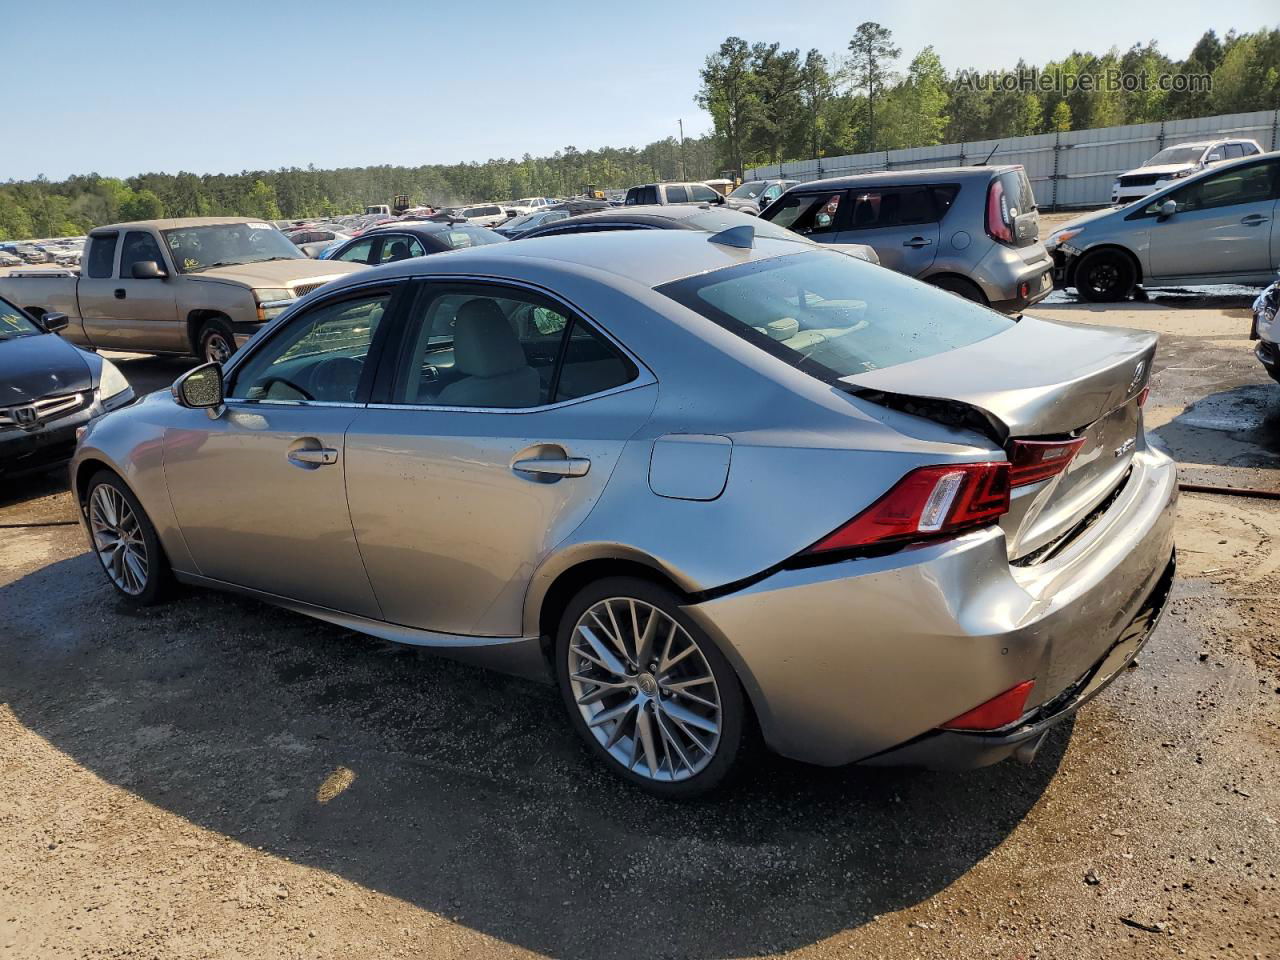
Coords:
1168,209
719,198
53,322
147,270
200,387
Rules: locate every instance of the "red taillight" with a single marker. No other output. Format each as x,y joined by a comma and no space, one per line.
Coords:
1035,460
995,713
1142,396
998,227
928,502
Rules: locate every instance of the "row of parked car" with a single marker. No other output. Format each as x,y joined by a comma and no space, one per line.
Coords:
65,252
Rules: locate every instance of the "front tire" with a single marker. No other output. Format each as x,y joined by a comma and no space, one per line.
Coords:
125,541
216,342
1105,276
648,691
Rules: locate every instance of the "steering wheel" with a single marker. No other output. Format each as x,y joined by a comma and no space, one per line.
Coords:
336,378
266,385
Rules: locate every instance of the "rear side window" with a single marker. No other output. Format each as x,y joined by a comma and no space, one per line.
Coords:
102,255
677,195
806,213
833,316
899,206
642,196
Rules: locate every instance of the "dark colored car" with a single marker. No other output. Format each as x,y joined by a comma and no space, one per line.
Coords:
705,217
519,226
48,389
402,241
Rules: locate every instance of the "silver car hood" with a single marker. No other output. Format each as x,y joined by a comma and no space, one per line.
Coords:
1038,378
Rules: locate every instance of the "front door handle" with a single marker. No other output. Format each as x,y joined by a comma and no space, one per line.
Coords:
120,294
1254,219
571,467
917,242
313,456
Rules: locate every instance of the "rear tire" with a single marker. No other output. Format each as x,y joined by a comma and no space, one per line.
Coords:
675,719
125,541
961,288
1105,276
216,343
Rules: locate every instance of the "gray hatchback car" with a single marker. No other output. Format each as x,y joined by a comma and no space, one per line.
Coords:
974,231
1218,226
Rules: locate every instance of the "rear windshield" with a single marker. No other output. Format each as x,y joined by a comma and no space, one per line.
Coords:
462,236
833,316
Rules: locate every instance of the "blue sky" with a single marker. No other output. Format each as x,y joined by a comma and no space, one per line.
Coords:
127,87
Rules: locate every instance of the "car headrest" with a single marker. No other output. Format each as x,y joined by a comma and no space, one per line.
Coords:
484,345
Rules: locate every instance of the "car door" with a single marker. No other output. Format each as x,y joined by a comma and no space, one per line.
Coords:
899,223
488,444
259,492
144,313
95,289
1223,225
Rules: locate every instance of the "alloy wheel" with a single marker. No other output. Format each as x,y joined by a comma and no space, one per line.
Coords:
216,348
118,539
645,689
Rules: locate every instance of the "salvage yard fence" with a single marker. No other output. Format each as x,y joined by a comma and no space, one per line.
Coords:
1067,170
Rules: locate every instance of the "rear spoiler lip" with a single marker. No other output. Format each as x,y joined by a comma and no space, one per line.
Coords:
971,417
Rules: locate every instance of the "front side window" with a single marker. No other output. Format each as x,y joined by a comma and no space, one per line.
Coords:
14,323
1233,151
495,347
359,252
196,249
1248,184
833,316
806,213
102,255
139,247
318,357
702,194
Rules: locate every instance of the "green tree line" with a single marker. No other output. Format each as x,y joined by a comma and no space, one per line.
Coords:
770,104
767,104
41,208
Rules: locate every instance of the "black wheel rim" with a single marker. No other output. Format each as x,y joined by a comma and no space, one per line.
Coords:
216,348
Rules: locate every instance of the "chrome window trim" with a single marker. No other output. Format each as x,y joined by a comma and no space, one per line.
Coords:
636,384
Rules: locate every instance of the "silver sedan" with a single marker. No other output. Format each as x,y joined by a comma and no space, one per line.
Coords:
723,489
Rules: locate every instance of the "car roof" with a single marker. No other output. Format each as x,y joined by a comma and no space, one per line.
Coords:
646,257
178,223
890,177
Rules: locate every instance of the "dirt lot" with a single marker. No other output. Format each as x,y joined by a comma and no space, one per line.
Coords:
217,778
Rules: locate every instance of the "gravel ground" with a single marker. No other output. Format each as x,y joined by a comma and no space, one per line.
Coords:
218,778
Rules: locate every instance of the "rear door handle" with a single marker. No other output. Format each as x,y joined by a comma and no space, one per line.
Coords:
313,457
917,242
571,467
1254,219
120,294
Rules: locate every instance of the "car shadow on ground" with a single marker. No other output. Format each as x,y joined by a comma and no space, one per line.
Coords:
465,792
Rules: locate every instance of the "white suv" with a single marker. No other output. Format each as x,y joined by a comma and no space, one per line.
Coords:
1174,163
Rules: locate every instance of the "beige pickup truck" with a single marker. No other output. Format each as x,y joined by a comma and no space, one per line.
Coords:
201,285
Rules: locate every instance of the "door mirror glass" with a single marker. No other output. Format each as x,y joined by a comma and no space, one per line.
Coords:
200,387
147,270
53,322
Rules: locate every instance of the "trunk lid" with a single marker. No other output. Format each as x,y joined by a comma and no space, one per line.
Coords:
1041,379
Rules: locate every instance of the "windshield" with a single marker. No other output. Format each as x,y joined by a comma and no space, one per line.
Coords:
14,323
228,244
749,190
1175,155
833,316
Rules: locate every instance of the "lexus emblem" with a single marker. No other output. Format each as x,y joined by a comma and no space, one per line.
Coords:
1137,374
25,416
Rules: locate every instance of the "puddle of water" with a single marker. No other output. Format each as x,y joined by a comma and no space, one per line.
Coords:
1209,295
